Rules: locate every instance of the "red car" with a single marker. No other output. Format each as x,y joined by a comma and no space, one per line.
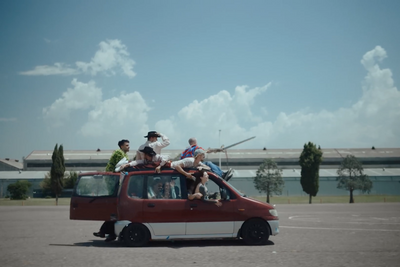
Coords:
148,206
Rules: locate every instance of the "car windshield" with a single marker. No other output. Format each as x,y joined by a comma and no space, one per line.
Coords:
97,185
237,191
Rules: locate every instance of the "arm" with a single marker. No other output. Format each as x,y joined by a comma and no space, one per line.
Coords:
195,195
163,160
186,174
164,142
202,166
115,158
202,190
136,162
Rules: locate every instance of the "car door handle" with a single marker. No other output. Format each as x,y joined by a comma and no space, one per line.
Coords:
193,205
74,205
151,205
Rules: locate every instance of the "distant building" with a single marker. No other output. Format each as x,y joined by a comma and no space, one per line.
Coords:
10,165
236,158
381,164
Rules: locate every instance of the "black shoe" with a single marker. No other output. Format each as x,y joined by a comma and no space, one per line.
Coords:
227,174
99,234
110,238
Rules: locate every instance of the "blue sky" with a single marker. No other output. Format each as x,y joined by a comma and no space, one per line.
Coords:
89,73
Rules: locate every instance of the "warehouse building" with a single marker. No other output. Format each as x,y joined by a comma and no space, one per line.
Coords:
382,165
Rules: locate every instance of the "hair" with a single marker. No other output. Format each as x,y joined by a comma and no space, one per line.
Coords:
191,185
192,141
122,142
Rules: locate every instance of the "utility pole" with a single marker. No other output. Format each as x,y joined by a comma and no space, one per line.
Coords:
219,145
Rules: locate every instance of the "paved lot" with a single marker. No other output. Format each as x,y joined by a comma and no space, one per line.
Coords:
311,235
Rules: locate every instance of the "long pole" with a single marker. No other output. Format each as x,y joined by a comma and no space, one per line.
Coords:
219,145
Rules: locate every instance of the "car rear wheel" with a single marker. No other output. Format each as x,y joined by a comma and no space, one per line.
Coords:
136,235
255,232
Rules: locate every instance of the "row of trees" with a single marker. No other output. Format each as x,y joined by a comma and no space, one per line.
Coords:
350,174
55,181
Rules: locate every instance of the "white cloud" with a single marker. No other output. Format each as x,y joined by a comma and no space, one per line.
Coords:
8,119
111,57
125,115
372,120
57,69
111,54
82,96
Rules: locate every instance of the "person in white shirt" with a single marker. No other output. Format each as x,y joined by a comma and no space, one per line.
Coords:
152,141
150,157
195,162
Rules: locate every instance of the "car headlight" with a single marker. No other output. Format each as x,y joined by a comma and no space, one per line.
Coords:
273,212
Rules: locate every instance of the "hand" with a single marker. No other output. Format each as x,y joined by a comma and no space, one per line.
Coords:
124,166
158,169
198,195
189,176
218,204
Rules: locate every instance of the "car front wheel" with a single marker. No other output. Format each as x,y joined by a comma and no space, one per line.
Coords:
136,235
255,232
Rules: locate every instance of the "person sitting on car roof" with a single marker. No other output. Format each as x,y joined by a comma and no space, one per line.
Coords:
189,152
118,155
150,157
152,141
193,162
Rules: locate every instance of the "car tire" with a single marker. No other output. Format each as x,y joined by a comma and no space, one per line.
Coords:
255,232
136,235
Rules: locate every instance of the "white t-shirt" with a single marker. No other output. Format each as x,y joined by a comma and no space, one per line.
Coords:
156,146
187,163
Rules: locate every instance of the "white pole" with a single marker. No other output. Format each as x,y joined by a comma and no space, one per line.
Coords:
219,145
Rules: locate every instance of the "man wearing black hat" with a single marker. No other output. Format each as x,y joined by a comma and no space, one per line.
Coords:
152,141
150,157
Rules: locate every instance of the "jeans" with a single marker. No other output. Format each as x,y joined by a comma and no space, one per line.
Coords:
214,168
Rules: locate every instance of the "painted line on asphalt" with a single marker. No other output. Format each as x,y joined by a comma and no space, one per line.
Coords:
341,229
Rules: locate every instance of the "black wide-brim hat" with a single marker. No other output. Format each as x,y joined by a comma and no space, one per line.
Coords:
151,134
148,150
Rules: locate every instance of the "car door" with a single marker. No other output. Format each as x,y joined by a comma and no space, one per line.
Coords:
205,218
163,206
95,197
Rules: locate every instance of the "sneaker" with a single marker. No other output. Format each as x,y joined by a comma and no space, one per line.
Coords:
227,174
99,234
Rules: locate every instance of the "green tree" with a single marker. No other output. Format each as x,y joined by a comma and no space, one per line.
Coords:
269,178
70,180
351,176
46,184
19,189
57,171
310,160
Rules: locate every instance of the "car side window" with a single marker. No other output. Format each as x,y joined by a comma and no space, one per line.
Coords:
135,186
164,187
215,190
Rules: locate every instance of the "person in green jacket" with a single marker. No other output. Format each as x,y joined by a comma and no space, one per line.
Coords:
108,226
118,155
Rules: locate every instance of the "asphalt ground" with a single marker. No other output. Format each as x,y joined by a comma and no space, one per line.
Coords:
310,235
